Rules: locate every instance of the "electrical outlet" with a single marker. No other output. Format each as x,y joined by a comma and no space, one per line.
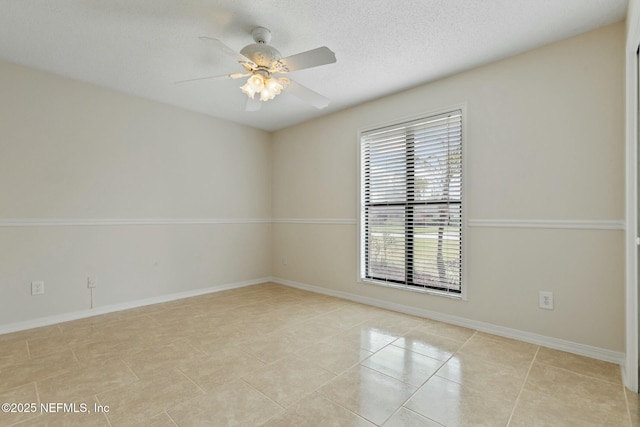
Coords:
92,282
284,260
546,300
37,288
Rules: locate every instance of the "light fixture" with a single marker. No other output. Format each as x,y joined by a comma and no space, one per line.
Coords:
262,83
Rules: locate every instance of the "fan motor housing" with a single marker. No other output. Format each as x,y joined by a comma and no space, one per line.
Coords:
261,54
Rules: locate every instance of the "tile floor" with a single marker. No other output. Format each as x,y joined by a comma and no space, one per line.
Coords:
278,356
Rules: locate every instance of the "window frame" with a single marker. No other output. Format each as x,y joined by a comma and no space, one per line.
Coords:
463,294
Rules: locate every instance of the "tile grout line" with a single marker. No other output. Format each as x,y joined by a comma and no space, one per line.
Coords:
171,418
515,404
428,379
104,414
74,355
245,382
316,366
315,391
128,367
347,409
398,379
35,385
579,374
338,403
246,353
420,415
190,380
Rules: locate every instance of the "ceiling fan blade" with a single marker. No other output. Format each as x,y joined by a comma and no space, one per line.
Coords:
228,51
253,104
307,95
311,58
220,77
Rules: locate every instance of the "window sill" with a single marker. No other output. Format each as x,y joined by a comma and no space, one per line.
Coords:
451,295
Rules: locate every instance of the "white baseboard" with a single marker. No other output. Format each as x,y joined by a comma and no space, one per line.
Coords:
66,317
545,341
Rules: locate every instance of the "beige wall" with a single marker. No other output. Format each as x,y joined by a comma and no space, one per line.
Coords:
74,152
545,141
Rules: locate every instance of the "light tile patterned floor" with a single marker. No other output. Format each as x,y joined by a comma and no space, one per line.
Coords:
279,356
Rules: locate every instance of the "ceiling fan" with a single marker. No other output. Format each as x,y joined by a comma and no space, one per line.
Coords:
263,65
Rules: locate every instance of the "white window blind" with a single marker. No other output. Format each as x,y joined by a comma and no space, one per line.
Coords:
411,204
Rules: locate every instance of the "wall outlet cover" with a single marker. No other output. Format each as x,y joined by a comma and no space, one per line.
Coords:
92,282
546,300
37,287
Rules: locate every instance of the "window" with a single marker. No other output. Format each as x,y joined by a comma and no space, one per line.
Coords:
411,224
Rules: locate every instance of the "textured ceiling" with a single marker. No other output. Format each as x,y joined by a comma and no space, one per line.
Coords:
143,46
